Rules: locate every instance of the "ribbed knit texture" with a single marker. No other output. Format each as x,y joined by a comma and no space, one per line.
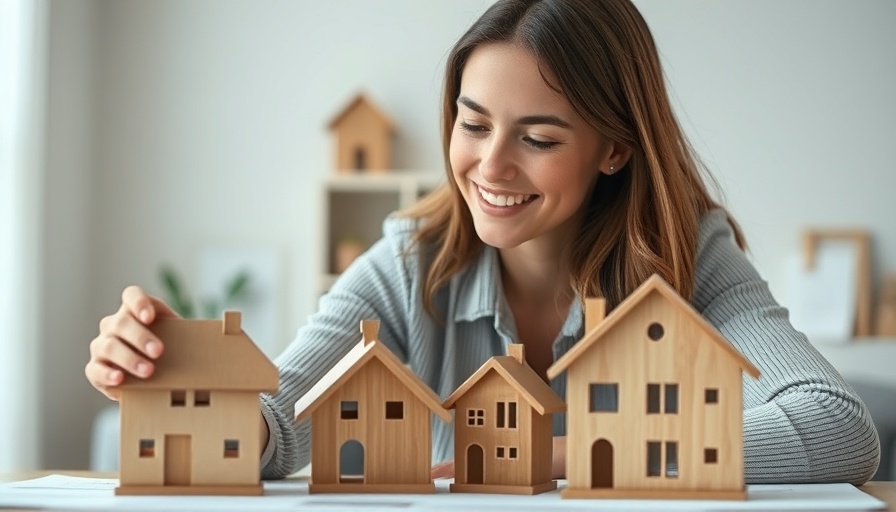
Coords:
802,422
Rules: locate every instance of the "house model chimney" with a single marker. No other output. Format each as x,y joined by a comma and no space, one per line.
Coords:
369,330
595,310
232,322
517,351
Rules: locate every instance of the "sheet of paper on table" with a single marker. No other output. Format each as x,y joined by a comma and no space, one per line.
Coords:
59,492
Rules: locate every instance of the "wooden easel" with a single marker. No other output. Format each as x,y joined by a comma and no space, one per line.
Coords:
862,241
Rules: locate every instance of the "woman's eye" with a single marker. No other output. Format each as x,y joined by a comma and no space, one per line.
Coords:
472,128
539,144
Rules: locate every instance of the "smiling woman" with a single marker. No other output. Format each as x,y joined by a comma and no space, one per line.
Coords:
21,24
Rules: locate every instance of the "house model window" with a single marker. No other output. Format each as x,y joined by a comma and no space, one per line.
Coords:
604,397
506,415
710,456
475,417
670,401
178,398
147,448
654,459
348,410
655,331
394,410
231,448
712,396
202,398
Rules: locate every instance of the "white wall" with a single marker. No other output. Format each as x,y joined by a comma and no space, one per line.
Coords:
205,123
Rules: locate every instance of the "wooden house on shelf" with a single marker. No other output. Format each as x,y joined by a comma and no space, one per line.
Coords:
363,137
503,430
193,426
371,404
654,397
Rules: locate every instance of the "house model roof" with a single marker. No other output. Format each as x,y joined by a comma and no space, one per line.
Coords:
521,377
207,354
654,284
367,349
361,100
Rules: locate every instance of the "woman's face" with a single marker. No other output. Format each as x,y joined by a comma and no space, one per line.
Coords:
524,160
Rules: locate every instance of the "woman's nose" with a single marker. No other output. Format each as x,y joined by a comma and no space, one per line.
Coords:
497,162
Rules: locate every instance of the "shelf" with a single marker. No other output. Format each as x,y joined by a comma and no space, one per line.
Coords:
355,206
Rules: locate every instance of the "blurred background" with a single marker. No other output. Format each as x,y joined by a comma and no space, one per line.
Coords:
142,133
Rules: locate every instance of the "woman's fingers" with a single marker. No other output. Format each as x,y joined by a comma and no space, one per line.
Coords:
443,470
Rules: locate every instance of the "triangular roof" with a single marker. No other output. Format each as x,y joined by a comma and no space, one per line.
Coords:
521,377
358,100
653,284
199,355
357,357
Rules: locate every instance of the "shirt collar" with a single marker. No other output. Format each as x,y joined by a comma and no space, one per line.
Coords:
479,295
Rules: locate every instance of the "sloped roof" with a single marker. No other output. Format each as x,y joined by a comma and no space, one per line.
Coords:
358,100
357,357
198,355
653,284
521,377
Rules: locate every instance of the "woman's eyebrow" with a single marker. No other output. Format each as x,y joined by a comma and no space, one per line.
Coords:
525,120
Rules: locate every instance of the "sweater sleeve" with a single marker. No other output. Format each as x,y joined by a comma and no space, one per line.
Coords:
373,287
802,421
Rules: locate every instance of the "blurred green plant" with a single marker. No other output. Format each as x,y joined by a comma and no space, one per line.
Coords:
235,289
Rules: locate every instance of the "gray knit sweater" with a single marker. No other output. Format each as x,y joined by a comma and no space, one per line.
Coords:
802,422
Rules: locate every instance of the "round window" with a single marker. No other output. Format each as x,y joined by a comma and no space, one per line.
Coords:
655,331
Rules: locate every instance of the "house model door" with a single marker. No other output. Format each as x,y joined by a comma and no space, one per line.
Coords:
178,463
475,462
602,465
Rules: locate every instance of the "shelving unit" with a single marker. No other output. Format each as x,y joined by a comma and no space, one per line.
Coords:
355,206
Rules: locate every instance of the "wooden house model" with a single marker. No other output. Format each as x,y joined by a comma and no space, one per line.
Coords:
193,427
363,137
372,404
654,397
503,430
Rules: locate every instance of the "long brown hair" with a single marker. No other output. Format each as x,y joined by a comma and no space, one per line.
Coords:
641,220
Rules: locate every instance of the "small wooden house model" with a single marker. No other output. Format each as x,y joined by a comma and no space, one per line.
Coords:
503,430
363,137
654,396
372,404
193,427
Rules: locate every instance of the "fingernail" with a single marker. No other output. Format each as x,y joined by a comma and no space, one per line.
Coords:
153,348
143,369
144,316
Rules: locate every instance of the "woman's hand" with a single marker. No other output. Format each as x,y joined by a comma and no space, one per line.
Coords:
443,470
125,345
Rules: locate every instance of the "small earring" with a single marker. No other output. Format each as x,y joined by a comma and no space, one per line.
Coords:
611,168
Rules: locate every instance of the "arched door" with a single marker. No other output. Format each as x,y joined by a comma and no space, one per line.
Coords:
351,462
474,464
602,465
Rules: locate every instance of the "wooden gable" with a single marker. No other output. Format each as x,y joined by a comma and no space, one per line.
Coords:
656,294
368,349
207,354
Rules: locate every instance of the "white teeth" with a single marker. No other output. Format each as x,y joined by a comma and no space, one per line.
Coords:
504,200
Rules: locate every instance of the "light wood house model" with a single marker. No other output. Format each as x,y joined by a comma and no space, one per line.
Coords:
363,137
193,426
373,404
503,430
654,396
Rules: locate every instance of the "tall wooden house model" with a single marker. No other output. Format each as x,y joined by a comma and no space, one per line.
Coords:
503,430
370,403
654,396
363,137
193,427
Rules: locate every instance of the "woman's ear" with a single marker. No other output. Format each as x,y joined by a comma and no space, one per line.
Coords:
618,157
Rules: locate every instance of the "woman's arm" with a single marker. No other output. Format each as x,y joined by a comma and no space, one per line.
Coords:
802,422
